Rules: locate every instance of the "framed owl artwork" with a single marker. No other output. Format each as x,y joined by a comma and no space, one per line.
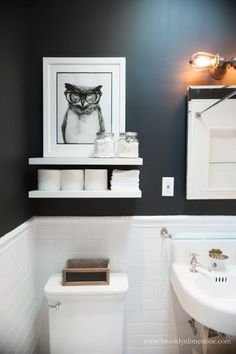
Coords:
81,97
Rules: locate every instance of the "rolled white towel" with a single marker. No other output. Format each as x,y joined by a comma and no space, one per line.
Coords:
72,180
95,180
49,180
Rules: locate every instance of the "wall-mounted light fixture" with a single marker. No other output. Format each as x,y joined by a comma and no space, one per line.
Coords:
216,65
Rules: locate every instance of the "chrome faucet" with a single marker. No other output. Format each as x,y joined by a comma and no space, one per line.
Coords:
194,264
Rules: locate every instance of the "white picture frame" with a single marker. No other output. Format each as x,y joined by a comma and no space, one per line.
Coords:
83,72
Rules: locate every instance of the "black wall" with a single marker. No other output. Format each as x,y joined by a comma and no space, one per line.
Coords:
14,147
157,37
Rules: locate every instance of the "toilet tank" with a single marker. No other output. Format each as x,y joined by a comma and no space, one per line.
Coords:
86,319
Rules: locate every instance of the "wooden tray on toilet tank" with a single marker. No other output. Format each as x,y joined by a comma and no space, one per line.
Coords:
86,272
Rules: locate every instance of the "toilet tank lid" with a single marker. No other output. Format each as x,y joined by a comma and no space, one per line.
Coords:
118,285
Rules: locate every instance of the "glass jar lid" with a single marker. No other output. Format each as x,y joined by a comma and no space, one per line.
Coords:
131,134
108,135
104,135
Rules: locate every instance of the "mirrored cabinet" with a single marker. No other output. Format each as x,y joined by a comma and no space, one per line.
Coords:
211,147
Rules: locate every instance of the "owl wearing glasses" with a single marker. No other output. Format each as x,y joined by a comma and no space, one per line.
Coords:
83,118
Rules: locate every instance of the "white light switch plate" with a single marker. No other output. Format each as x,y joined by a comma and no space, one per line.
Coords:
168,186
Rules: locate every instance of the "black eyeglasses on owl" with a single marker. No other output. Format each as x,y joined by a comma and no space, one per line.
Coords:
79,94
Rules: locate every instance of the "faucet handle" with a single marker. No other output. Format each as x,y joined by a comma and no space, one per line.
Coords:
194,257
193,254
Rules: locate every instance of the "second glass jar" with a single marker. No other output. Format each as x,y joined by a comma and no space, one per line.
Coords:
128,145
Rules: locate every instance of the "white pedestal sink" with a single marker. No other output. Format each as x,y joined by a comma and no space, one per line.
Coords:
208,300
208,297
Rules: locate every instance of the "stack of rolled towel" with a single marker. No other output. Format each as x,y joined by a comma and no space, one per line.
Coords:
125,180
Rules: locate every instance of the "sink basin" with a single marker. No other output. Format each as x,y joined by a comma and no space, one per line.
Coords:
210,298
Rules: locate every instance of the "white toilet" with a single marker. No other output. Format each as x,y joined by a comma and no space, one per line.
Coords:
86,319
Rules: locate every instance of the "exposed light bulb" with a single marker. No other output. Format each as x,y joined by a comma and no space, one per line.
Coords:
204,60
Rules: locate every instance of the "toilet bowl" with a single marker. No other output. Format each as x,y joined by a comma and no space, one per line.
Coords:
86,319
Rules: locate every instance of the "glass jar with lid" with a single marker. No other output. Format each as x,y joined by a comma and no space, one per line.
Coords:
128,145
104,145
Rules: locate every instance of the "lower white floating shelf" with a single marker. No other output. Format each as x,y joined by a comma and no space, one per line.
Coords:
85,194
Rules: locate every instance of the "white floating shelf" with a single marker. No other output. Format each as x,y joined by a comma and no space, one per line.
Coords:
85,161
85,194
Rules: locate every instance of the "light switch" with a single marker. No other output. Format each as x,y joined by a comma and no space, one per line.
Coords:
168,186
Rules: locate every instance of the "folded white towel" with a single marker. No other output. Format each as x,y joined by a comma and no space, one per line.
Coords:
124,188
130,173
125,180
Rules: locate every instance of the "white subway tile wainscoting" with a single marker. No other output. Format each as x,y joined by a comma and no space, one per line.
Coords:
40,247
18,302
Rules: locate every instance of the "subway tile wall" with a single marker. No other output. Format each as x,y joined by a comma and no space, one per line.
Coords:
153,317
31,253
18,305
131,249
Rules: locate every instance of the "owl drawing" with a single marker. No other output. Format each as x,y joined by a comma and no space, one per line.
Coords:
83,118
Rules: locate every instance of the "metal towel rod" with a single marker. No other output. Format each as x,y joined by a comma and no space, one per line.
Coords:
229,95
165,233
